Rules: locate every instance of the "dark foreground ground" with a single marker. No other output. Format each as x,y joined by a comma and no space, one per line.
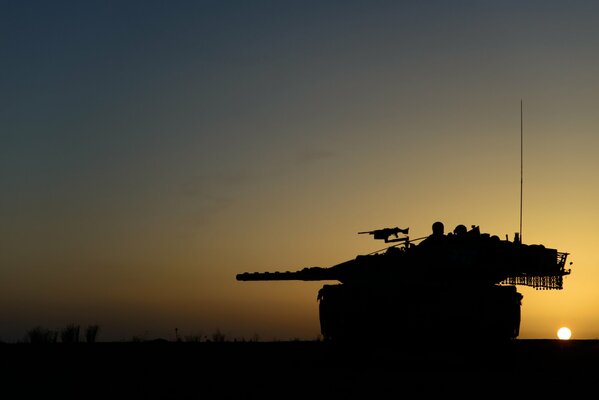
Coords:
282,370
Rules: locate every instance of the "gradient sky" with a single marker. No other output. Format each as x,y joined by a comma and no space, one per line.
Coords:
152,150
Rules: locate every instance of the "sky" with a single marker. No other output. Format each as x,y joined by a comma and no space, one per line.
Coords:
152,150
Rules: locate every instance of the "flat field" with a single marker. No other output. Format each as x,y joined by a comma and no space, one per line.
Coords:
300,369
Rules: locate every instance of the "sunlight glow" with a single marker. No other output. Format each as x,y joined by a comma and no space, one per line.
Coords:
564,333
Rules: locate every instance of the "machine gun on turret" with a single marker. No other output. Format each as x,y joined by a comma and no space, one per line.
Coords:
386,232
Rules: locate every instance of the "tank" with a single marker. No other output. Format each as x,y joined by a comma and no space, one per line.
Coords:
457,285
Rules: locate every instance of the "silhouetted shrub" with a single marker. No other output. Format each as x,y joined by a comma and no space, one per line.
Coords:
40,335
70,334
194,337
218,336
91,333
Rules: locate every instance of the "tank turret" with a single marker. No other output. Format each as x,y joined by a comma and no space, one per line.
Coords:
441,284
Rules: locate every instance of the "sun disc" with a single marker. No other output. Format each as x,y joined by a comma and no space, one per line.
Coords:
564,333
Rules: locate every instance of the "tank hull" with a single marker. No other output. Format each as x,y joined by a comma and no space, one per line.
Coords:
358,313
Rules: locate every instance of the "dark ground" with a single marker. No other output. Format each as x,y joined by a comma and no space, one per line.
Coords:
301,369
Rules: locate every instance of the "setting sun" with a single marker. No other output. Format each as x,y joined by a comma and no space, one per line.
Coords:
564,333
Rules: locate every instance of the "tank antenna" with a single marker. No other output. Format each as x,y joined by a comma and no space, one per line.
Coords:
521,169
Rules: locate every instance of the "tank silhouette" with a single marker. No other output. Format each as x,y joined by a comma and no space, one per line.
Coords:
456,285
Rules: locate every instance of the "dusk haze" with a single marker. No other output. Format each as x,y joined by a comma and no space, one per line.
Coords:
151,151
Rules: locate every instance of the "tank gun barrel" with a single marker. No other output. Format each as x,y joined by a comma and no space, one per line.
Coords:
306,274
339,272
